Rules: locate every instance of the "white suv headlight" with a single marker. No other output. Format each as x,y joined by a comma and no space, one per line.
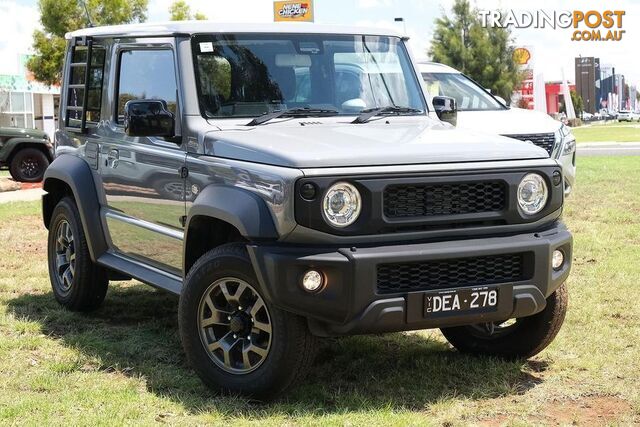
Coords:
567,140
532,194
341,205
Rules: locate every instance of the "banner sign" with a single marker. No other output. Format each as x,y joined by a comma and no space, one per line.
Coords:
293,11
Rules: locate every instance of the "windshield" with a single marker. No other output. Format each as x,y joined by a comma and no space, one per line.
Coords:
468,95
252,74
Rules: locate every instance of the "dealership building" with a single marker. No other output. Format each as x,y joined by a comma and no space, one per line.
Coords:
24,102
600,87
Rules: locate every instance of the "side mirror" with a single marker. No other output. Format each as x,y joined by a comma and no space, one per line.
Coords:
501,100
149,118
446,109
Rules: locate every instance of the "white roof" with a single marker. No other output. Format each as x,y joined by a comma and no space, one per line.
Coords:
193,27
435,67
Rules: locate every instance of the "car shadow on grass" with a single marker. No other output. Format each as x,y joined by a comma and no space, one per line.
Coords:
135,333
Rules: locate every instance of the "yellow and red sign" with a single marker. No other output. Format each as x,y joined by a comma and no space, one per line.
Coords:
293,11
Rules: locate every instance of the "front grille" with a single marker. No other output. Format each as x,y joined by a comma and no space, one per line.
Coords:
543,140
420,200
450,273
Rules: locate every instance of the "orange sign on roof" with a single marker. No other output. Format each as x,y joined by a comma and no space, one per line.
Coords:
293,11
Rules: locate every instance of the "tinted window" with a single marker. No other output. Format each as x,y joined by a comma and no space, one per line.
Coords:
248,75
146,74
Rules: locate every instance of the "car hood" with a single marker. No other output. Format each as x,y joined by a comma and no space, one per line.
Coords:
22,133
514,121
313,143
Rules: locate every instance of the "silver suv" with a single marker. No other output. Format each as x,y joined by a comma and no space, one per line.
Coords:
291,182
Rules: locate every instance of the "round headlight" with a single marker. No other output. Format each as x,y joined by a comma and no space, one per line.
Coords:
532,193
341,204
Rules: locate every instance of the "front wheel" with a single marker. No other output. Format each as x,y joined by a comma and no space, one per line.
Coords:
235,340
516,338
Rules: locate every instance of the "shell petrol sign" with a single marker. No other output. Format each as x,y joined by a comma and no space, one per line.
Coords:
293,11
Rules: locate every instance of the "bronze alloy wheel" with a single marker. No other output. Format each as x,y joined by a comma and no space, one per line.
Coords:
234,325
65,262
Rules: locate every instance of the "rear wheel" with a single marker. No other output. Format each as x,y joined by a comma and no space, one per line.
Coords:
28,165
77,282
235,340
515,338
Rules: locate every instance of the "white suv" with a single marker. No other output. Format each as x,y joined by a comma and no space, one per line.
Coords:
481,111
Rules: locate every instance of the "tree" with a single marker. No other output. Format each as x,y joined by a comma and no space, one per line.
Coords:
180,11
483,53
61,16
578,104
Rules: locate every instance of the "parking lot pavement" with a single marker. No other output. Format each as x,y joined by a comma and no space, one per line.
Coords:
609,149
21,195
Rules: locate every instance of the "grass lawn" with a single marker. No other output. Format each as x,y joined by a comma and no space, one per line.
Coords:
123,363
4,173
613,131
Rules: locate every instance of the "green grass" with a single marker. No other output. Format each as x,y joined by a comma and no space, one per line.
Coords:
123,363
612,131
4,173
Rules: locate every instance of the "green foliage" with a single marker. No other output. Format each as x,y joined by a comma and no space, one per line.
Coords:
199,16
61,16
484,54
578,104
180,11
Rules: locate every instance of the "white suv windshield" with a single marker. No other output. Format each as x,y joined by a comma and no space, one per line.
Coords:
468,95
252,74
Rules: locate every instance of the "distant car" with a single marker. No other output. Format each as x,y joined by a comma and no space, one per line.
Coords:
26,152
587,116
481,111
628,116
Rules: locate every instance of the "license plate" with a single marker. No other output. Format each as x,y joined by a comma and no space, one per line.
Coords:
460,301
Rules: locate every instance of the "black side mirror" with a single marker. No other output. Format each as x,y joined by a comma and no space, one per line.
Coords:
446,109
148,118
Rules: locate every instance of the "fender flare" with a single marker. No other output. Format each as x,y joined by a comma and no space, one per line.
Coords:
11,146
77,175
244,210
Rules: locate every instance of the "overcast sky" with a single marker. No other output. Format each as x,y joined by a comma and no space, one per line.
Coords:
552,49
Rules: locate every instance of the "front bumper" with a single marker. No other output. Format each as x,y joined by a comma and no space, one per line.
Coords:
351,301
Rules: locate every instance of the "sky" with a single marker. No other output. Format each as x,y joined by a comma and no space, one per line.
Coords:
552,49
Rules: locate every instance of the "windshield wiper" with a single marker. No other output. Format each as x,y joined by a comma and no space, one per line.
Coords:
299,112
368,114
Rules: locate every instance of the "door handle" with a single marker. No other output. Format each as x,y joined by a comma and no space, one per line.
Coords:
112,158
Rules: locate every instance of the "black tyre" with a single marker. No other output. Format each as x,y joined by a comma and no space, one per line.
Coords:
518,338
28,165
236,341
78,283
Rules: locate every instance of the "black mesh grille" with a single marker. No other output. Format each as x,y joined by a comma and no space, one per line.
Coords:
543,140
450,273
416,200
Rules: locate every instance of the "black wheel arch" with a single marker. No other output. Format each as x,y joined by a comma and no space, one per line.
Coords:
223,214
21,145
72,176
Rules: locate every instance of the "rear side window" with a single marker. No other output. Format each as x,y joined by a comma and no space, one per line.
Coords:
146,74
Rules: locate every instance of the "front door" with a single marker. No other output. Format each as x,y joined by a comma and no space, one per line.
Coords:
142,176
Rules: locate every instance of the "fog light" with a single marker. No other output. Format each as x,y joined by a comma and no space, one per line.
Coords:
312,281
557,260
